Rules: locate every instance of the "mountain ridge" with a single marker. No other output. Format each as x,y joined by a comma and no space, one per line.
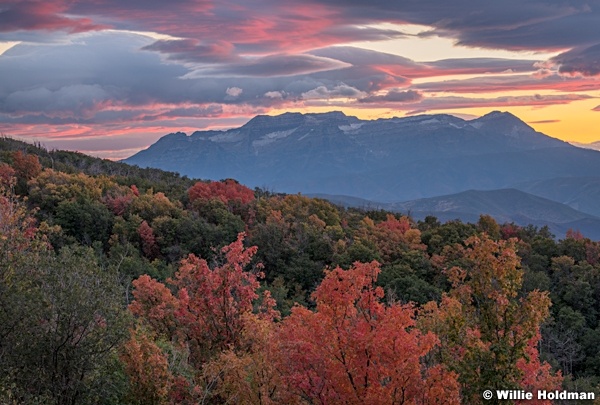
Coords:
504,205
296,152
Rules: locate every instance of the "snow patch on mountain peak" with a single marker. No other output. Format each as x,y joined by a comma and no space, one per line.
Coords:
227,137
272,137
351,127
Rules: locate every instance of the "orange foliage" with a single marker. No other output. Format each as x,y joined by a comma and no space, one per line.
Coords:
212,302
208,309
7,174
355,350
537,376
226,191
147,369
208,316
26,166
17,228
250,376
392,237
574,234
155,304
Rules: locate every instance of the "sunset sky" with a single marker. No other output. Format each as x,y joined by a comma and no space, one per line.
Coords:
110,77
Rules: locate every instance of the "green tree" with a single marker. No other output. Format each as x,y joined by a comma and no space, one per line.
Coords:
488,332
65,348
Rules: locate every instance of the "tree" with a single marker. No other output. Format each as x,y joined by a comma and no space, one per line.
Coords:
61,316
206,315
227,191
355,350
81,322
21,249
488,332
7,174
147,368
149,246
392,237
26,167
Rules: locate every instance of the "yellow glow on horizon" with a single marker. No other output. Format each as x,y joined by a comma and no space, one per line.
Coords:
575,121
569,122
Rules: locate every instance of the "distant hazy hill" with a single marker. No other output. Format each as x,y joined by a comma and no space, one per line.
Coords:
384,160
580,193
506,205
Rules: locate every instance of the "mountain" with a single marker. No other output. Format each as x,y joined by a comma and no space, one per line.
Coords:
580,193
387,160
505,205
593,145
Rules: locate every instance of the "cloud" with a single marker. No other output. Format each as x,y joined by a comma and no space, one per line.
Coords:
274,94
510,24
453,102
72,76
583,61
193,50
394,96
79,100
42,15
272,65
491,84
544,122
269,26
483,65
233,93
400,66
340,91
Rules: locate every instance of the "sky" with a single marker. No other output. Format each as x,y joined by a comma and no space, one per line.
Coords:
110,77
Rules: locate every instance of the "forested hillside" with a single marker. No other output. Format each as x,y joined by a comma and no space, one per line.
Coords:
121,285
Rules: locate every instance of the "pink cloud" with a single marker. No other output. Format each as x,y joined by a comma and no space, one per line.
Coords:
42,15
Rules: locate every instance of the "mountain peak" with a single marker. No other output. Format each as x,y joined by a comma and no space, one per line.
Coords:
294,119
330,114
503,116
502,121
